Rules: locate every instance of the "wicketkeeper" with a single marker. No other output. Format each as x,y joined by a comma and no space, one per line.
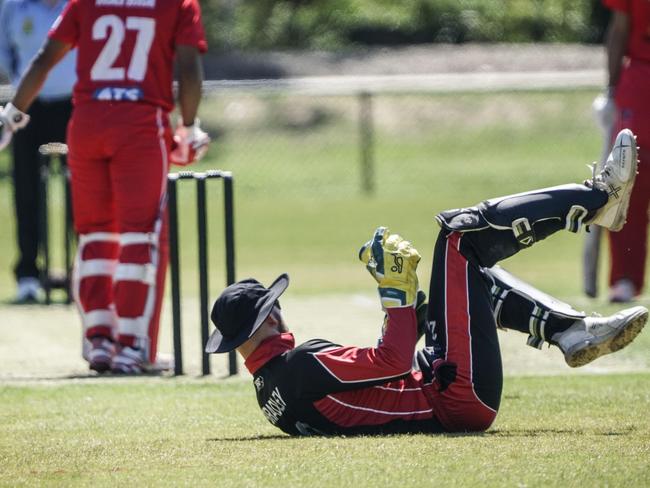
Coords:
325,388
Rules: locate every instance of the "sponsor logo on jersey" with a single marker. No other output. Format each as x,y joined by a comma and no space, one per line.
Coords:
126,3
118,94
259,383
274,407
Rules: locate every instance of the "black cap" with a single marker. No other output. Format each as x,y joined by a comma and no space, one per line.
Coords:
240,310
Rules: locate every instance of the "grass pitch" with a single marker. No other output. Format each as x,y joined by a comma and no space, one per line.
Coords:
298,209
551,431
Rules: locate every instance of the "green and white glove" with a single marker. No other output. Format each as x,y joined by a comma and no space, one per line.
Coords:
392,262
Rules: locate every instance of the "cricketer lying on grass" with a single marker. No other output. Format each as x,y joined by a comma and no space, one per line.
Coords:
324,388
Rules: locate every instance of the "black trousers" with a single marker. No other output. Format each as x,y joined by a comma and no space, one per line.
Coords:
49,122
461,308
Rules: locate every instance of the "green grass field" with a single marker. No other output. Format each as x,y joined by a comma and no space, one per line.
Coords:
298,209
552,431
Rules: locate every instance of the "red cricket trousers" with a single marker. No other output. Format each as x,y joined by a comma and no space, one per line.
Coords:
628,247
119,163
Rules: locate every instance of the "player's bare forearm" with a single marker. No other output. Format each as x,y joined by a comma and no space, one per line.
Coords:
190,79
50,54
618,35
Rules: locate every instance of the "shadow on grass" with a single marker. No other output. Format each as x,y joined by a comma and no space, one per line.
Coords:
271,437
492,433
346,436
85,376
550,431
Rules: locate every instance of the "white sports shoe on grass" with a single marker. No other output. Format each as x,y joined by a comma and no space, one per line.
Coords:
622,291
132,361
129,360
592,337
29,289
617,179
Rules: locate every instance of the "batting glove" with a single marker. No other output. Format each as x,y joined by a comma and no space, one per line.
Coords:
605,111
392,262
11,120
190,144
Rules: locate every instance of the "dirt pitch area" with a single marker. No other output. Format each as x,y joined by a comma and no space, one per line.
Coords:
43,343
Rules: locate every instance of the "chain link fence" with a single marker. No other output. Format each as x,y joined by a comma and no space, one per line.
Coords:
350,136
340,137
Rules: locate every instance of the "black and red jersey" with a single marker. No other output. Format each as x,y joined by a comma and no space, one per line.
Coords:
324,388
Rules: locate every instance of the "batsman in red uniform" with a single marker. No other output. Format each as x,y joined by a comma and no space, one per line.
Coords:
120,148
320,387
628,58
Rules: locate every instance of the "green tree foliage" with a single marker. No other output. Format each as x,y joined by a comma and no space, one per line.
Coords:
327,24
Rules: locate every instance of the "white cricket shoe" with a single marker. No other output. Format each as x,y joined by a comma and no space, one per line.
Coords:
100,354
622,291
129,360
134,361
29,290
617,179
592,337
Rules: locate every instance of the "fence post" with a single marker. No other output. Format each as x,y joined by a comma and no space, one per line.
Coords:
366,137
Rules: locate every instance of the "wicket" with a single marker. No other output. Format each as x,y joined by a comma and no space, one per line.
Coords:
48,281
174,260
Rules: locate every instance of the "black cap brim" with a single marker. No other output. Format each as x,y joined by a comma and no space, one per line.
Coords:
217,343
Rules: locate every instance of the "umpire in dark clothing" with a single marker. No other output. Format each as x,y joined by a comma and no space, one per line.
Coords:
24,25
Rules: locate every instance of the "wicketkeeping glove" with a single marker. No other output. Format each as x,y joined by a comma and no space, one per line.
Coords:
11,120
393,262
190,144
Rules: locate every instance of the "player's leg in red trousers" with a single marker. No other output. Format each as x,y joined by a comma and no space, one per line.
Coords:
119,167
139,180
628,247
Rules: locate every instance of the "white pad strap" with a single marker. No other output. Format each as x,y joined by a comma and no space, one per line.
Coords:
98,317
144,273
130,238
523,231
98,236
96,267
498,297
575,217
138,326
536,326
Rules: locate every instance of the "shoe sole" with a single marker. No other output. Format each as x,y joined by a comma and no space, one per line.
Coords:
621,213
100,361
159,367
123,372
625,335
100,366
